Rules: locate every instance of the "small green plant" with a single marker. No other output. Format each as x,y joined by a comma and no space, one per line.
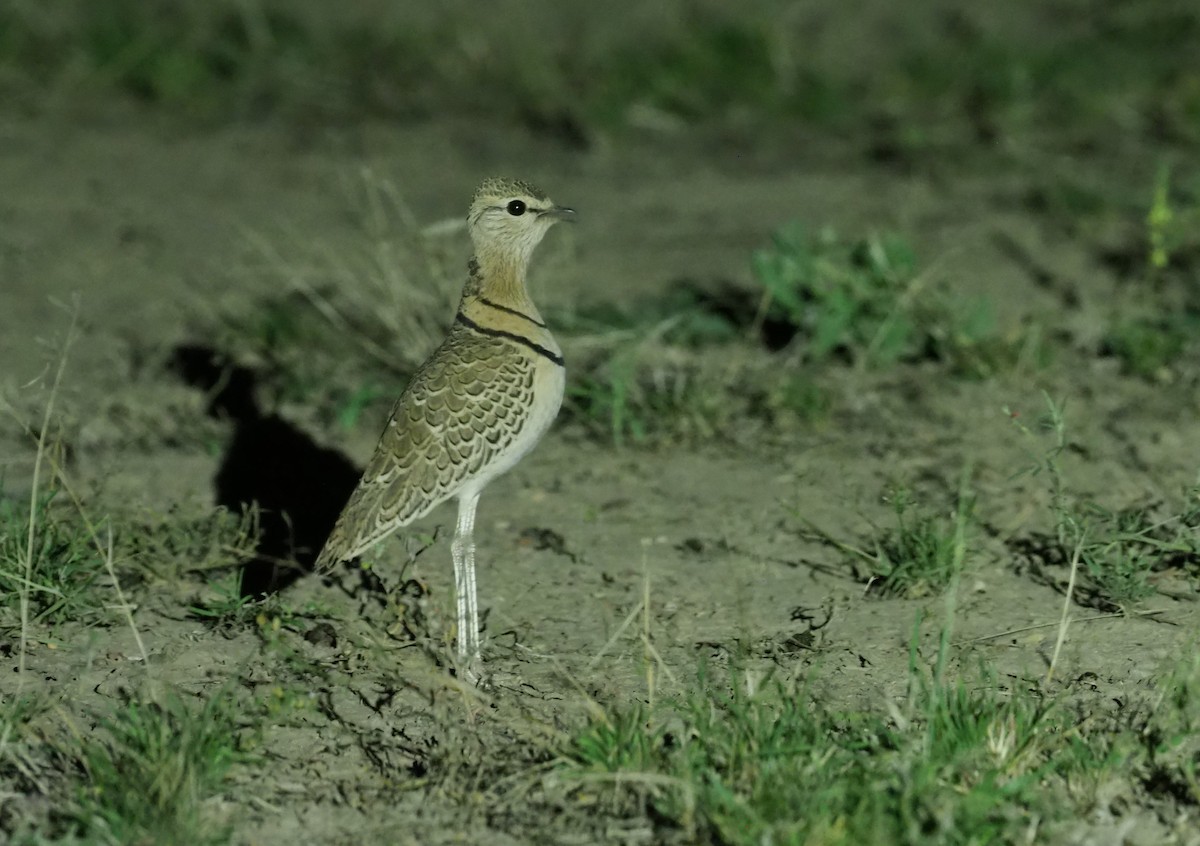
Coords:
853,299
925,552
642,394
965,337
1166,228
1172,733
601,400
28,763
1149,346
224,603
1117,550
15,713
864,302
1122,554
1151,335
63,569
625,740
922,555
148,778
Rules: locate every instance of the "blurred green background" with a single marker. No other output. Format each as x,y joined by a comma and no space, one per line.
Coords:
899,80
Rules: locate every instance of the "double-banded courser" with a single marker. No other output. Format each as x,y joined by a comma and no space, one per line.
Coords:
478,404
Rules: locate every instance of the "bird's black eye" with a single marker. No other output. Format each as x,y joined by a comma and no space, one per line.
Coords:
516,208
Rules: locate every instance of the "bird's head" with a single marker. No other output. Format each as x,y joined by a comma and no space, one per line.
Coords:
508,218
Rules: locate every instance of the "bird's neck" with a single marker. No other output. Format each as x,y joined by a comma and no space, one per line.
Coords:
500,279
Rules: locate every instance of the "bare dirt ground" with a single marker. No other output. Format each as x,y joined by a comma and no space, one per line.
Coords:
152,230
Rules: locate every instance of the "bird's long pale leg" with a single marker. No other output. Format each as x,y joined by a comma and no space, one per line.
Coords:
463,550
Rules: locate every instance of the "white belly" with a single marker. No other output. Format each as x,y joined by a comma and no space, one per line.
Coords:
548,387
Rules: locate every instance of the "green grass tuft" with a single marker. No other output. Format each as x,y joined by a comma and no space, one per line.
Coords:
1152,336
1148,347
844,298
737,763
643,395
925,552
1119,551
66,570
148,779
864,302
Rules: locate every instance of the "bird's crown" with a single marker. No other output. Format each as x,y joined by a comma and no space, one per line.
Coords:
497,188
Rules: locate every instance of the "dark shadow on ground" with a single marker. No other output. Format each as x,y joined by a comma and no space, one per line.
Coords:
298,485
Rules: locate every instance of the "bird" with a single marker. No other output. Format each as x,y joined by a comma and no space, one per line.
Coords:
474,408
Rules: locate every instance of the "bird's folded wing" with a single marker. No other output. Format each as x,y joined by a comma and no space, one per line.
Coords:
463,408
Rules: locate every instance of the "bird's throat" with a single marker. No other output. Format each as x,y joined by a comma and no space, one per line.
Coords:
501,280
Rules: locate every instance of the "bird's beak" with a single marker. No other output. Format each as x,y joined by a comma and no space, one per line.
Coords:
561,213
